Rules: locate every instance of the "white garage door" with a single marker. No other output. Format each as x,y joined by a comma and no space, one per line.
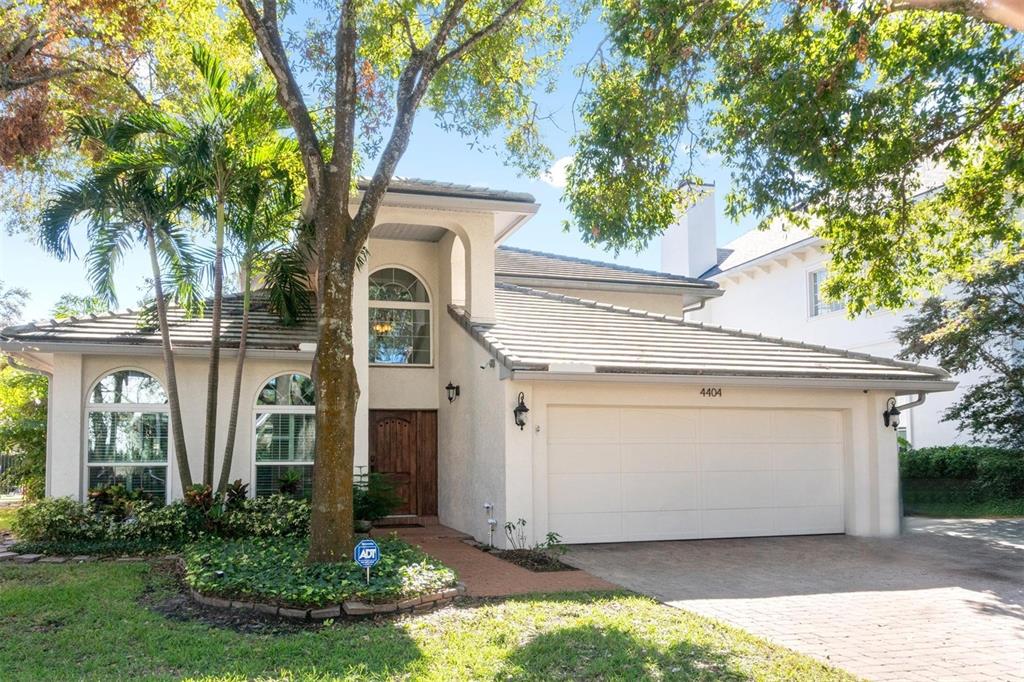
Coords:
638,473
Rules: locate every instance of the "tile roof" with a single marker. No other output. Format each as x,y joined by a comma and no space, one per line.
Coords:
536,329
127,327
512,263
450,189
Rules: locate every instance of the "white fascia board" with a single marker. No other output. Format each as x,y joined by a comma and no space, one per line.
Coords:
145,350
545,283
897,386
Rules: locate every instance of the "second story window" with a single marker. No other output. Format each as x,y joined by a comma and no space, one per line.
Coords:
399,319
817,304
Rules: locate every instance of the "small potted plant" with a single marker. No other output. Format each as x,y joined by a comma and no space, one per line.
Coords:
373,498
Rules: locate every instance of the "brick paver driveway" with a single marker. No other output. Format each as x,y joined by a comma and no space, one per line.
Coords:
945,601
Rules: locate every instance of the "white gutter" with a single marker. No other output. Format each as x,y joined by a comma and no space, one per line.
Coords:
140,349
898,386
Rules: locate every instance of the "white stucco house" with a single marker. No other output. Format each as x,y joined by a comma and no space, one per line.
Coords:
771,282
640,425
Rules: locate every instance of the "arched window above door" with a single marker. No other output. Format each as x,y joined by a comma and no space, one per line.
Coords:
399,319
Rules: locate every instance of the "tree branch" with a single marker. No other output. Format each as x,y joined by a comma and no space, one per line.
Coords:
1006,12
268,38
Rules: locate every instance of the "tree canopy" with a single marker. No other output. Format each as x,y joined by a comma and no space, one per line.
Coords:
895,134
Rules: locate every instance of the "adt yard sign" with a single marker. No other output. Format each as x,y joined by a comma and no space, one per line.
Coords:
366,554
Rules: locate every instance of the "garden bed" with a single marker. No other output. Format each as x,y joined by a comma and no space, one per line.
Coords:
534,560
274,573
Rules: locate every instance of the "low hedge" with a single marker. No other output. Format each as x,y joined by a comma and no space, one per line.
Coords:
276,572
64,526
962,473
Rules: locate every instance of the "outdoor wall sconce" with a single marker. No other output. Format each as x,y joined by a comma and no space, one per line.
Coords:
891,416
453,392
520,410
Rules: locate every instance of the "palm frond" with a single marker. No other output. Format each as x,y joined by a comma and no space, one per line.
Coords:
286,284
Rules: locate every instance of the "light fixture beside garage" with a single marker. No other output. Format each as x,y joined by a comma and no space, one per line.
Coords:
453,391
520,410
891,416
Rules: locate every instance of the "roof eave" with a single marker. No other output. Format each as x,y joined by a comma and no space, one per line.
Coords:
765,257
113,348
898,386
710,290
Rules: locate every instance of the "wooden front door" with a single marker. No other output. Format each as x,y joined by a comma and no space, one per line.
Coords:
403,446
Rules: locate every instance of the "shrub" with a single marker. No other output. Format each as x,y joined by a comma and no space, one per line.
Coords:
962,473
374,498
275,571
274,516
57,519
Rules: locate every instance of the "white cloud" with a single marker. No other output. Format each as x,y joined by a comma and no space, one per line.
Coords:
555,176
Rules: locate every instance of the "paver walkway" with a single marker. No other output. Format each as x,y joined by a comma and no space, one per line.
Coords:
488,576
943,602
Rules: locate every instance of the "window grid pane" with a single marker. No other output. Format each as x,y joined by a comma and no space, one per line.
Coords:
127,386
399,336
127,437
287,389
268,478
285,437
395,284
819,306
152,481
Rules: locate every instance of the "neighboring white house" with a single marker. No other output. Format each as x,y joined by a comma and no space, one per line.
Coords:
640,425
771,282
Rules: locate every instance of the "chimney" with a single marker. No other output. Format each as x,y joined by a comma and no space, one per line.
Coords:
688,247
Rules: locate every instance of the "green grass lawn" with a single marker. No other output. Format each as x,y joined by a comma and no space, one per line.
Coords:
966,510
6,517
96,621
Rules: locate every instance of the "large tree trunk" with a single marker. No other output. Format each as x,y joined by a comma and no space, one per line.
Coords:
213,372
174,404
337,390
236,391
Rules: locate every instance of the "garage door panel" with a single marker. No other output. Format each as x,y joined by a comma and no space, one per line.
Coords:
804,520
590,424
575,528
583,458
735,456
587,493
736,523
790,456
736,489
646,424
735,426
655,457
659,492
807,488
668,525
629,473
815,426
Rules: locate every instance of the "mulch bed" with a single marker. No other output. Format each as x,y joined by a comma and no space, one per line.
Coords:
530,559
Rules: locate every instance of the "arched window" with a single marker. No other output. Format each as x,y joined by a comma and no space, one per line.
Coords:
399,319
126,422
285,435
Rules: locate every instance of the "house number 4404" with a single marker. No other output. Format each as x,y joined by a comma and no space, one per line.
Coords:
711,392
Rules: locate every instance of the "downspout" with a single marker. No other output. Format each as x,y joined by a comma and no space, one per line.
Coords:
694,308
25,368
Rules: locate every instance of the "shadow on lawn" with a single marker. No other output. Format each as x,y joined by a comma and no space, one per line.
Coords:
590,651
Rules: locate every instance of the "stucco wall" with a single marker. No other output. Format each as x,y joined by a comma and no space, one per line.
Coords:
471,431
776,304
870,474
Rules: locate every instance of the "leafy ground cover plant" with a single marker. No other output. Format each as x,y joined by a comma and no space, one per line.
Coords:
275,571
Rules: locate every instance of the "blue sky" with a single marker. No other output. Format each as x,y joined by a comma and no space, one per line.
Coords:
433,154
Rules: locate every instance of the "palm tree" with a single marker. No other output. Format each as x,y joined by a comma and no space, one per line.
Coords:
132,195
232,133
262,231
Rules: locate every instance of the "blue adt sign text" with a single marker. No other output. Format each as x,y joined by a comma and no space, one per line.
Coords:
366,553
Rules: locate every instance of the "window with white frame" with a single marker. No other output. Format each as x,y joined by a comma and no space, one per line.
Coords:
126,434
399,319
818,305
285,435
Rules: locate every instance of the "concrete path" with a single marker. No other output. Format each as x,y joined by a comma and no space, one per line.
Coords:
943,602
